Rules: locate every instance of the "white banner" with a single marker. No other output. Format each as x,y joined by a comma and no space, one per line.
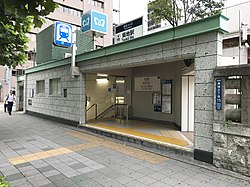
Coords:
147,84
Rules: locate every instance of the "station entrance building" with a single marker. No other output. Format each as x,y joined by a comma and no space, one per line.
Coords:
166,77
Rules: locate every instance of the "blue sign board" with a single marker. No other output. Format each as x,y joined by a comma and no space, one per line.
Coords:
218,94
95,21
63,34
86,22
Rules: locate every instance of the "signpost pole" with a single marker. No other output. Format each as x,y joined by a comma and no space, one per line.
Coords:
73,57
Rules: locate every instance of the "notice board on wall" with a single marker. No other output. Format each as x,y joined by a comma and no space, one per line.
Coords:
166,88
148,84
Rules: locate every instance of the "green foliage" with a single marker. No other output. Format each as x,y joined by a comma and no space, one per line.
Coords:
4,183
16,20
176,11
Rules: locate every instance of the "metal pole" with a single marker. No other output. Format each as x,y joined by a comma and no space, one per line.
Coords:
73,57
9,77
127,113
239,36
81,94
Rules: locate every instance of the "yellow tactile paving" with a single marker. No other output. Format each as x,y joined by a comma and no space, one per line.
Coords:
171,134
46,154
137,153
133,132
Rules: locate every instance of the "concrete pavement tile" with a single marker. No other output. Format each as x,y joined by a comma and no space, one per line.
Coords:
27,184
135,175
194,181
46,168
30,172
218,183
79,178
18,181
40,182
9,172
203,177
146,171
85,170
22,165
36,177
112,183
61,181
14,177
101,179
89,183
135,183
26,168
50,173
170,181
124,179
157,175
181,176
71,173
78,166
113,174
158,184
50,185
147,180
182,184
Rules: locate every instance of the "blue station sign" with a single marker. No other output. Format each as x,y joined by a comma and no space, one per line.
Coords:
95,21
63,34
218,94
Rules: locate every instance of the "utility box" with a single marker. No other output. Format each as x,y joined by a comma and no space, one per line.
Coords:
47,51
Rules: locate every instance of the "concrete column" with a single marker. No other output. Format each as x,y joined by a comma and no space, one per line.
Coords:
84,101
208,54
245,100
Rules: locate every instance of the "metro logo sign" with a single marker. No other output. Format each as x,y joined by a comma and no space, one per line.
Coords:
94,21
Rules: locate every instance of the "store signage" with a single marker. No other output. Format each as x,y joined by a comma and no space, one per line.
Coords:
63,34
129,30
94,21
218,94
147,84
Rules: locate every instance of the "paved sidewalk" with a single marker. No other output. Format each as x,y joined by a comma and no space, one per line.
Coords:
37,152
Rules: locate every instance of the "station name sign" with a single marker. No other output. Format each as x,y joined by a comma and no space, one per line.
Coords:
129,30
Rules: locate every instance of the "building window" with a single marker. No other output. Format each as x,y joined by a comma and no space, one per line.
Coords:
55,86
14,72
96,3
69,10
40,86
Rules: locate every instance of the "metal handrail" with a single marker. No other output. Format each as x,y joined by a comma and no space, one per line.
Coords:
110,107
95,109
115,108
120,111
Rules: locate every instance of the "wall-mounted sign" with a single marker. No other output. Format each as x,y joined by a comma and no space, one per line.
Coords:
166,87
93,21
147,84
218,94
63,34
129,30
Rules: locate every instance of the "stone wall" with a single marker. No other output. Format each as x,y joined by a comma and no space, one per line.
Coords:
67,108
232,147
231,140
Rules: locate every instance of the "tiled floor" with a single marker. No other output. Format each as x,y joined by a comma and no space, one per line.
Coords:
154,131
37,152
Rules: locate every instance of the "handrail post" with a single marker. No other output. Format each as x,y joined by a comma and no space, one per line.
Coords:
127,113
95,111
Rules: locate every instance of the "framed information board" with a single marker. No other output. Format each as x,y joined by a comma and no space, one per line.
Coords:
166,88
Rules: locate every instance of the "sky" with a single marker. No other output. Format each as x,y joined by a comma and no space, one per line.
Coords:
132,9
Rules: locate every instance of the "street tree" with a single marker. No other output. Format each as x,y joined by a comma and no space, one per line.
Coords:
16,20
183,11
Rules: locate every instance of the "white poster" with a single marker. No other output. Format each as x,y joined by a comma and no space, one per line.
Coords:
147,84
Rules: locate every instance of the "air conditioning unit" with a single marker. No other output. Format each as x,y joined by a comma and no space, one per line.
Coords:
66,55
